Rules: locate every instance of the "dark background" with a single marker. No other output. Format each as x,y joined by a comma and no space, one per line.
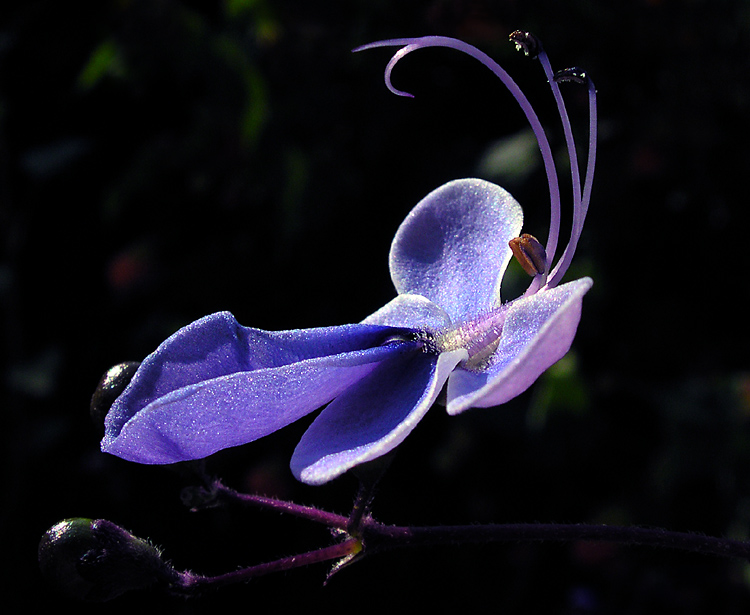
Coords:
161,160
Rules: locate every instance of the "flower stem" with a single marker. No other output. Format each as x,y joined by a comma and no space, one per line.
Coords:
364,535
296,510
379,536
190,584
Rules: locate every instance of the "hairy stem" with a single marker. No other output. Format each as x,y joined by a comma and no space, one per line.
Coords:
379,536
296,510
191,584
373,537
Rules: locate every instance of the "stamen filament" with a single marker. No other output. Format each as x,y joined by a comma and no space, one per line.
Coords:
575,172
412,44
579,214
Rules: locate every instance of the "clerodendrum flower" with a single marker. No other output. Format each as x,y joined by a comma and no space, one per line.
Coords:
215,384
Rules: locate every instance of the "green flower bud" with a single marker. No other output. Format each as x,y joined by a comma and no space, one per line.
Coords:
95,560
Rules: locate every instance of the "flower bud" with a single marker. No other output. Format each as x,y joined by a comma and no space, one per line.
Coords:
96,560
109,388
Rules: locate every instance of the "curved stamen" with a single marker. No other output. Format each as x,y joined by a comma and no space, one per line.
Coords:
575,173
412,44
581,208
532,47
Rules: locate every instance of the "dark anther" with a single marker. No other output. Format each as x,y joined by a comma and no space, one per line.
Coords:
109,388
529,253
574,74
526,42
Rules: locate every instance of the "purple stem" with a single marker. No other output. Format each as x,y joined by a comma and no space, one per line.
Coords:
373,536
376,535
296,510
191,584
379,536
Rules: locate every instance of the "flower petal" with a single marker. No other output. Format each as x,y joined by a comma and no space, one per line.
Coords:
537,332
411,311
372,417
216,384
453,246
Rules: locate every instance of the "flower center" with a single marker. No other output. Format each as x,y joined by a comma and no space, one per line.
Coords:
480,336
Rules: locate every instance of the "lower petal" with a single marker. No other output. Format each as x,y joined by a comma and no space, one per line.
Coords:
201,419
373,417
537,333
217,346
216,384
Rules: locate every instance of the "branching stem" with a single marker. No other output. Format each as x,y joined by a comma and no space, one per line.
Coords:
373,537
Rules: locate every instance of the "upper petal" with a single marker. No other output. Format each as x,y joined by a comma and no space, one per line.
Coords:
373,416
215,384
537,332
452,248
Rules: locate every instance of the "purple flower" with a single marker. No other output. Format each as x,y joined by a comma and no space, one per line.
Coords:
215,384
